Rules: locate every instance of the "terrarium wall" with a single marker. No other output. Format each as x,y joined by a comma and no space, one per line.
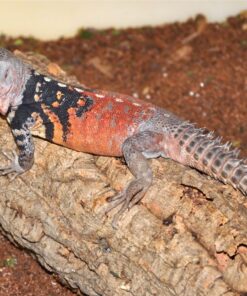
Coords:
55,18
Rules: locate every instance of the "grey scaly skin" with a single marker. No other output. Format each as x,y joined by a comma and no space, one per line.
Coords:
13,77
128,127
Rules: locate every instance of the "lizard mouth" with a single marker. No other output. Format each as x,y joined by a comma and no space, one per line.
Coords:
4,107
4,110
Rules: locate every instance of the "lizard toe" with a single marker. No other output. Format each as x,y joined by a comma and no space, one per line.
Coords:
14,168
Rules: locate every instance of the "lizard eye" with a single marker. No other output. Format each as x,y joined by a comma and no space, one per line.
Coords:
6,74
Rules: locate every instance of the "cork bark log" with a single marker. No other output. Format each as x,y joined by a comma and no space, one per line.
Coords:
188,236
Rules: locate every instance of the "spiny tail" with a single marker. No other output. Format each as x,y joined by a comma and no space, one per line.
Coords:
203,151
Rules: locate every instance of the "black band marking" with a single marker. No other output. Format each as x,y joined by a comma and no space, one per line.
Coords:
40,92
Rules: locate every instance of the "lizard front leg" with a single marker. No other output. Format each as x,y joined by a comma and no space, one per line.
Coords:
136,149
24,161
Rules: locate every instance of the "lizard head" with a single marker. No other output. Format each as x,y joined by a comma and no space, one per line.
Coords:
11,80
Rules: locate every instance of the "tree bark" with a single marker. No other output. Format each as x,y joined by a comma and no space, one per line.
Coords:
188,236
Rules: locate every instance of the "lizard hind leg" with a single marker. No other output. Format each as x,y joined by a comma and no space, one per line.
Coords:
136,149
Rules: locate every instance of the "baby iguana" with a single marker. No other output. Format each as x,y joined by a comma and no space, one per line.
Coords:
106,123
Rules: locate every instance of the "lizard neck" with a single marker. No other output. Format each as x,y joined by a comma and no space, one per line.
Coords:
21,74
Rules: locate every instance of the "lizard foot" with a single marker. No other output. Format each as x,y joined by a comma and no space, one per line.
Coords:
128,198
14,168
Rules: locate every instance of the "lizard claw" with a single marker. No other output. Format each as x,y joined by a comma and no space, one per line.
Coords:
115,201
11,155
14,168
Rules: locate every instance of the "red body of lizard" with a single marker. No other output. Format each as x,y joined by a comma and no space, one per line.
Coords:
110,120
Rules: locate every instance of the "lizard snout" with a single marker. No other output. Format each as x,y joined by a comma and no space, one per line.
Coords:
4,107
